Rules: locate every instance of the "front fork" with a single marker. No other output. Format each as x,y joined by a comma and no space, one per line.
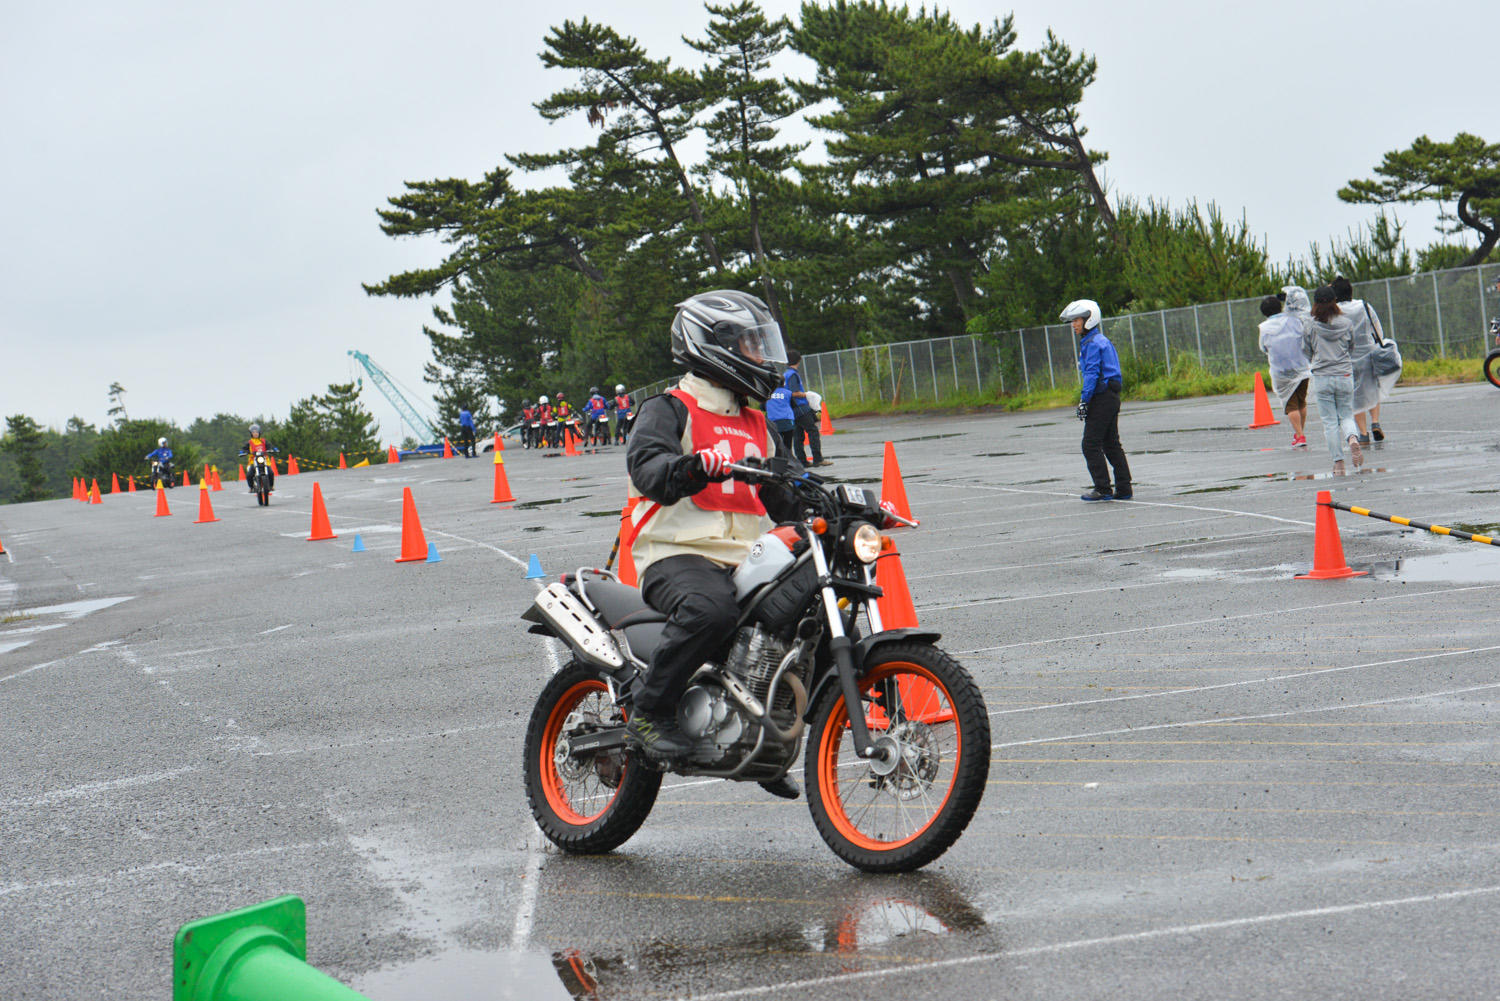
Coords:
842,649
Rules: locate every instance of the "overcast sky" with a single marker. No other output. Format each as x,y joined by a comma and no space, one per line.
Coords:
191,188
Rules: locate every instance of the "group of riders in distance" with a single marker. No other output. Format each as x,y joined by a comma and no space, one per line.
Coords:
547,422
260,475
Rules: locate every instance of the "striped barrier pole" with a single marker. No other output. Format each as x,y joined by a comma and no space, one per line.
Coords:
1409,523
257,953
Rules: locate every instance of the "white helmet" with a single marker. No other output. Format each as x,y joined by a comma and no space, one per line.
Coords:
1086,308
161,443
255,430
619,387
541,400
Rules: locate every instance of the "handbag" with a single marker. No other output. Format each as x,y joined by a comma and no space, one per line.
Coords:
1386,355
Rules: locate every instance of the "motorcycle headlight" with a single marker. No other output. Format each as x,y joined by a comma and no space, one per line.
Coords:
863,541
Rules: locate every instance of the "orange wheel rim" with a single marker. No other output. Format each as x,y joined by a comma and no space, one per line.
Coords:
569,797
883,813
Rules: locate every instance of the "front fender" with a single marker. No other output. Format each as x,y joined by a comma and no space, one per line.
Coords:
863,647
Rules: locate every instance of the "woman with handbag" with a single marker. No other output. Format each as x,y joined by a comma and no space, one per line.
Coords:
1377,362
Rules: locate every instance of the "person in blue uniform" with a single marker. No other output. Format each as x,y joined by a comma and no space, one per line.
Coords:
1099,403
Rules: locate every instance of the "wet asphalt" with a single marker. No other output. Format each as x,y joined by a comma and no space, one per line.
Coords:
1209,780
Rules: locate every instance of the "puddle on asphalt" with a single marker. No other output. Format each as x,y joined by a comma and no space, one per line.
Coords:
1474,563
1156,451
550,500
995,455
1484,491
1489,528
1027,483
931,437
1211,490
600,514
1045,424
522,976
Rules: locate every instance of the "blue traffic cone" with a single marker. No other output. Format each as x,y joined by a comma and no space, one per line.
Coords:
359,544
534,569
432,553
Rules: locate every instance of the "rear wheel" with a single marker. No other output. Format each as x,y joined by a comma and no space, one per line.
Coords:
1492,368
585,804
899,814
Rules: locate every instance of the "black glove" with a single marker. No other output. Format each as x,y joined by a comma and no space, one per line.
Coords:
1083,410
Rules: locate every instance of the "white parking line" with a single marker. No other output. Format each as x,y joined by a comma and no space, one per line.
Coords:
1106,940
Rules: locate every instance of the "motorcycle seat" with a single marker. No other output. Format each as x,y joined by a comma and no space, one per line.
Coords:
620,604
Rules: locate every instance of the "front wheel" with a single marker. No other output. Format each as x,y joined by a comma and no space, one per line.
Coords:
582,804
1492,368
898,814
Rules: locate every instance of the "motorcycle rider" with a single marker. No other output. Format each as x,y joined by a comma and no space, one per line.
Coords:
528,414
690,523
258,444
597,411
623,418
1099,402
163,455
563,411
545,418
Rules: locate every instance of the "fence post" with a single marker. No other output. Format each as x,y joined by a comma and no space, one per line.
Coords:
1166,349
1198,333
890,361
1000,365
974,350
1234,350
1021,336
1484,320
1048,339
1390,310
1130,318
1437,309
840,363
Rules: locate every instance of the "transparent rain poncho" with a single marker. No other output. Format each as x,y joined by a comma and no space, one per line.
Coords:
1376,372
1281,340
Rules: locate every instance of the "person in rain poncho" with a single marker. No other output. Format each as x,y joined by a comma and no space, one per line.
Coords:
1281,340
1375,372
1328,343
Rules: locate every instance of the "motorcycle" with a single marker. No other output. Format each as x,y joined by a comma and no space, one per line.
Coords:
1492,360
531,434
598,430
261,476
896,732
161,472
623,420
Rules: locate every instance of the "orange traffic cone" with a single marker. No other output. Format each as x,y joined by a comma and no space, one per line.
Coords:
892,488
1263,416
2,548
187,479
825,424
499,442
447,448
320,528
502,484
342,464
1328,551
114,483
94,497
896,608
218,483
291,466
413,542
627,535
392,456
75,488
131,489
239,473
568,447
205,506
161,502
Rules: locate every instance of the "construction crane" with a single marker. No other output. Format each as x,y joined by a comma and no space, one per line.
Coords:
404,407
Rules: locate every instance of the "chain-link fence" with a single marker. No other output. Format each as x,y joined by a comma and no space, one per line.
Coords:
1436,314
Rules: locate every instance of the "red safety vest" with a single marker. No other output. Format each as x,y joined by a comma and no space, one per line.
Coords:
735,437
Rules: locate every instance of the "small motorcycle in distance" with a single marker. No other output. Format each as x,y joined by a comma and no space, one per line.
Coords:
260,477
161,472
896,732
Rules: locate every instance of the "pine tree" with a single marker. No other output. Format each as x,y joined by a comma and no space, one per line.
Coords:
24,443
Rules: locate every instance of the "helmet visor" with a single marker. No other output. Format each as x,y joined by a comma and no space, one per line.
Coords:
760,344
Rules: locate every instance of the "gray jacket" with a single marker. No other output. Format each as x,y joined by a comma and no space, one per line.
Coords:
1330,346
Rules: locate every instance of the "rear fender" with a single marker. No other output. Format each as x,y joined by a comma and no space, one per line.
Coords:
863,648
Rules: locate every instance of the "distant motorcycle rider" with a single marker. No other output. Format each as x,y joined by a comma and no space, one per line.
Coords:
690,523
1101,380
597,412
254,444
466,432
163,455
623,415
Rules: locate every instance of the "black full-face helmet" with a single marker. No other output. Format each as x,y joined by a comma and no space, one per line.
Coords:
732,339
